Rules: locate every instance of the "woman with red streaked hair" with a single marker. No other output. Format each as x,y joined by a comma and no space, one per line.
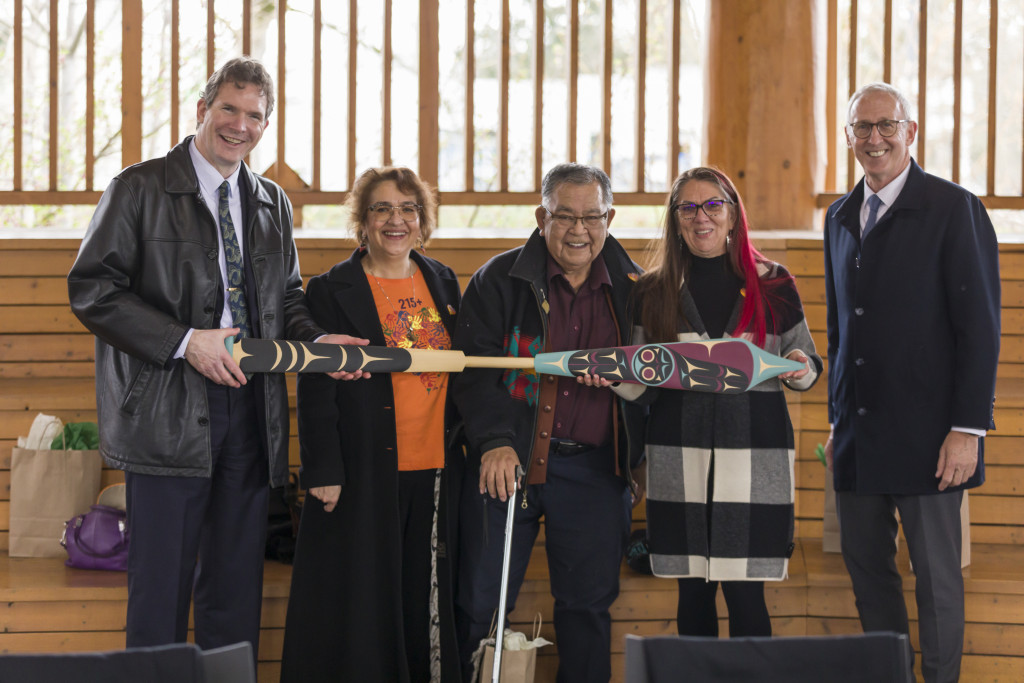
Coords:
719,466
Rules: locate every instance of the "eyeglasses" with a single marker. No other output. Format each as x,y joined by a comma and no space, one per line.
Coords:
382,212
886,128
568,221
712,207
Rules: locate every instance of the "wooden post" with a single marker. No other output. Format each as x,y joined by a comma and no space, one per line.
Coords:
131,82
762,108
428,88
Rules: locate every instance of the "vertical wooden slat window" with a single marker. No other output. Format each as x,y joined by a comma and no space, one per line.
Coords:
521,114
335,96
318,29
70,168
159,116
1008,91
405,86
280,113
295,135
16,98
486,47
974,94
675,49
851,81
607,53
832,121
958,51
33,96
639,93
480,96
90,92
385,91
175,73
131,81
537,74
572,73
961,65
501,143
353,95
54,96
455,85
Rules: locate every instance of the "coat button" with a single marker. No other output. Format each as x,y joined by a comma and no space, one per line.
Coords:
859,361
858,311
203,421
862,411
540,461
551,378
543,435
547,409
212,254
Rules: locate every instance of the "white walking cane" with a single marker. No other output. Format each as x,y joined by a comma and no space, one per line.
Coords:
500,635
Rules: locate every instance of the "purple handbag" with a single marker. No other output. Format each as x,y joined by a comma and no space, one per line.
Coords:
97,539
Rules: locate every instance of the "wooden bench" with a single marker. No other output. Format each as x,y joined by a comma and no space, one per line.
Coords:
47,607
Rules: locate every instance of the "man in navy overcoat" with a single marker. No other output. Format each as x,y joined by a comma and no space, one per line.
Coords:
912,282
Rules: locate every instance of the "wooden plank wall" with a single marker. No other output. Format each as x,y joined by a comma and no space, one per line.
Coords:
46,362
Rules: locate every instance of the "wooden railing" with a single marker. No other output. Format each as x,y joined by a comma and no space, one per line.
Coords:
142,34
337,113
866,59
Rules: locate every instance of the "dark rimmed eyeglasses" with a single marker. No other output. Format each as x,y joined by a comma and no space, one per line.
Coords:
886,128
568,221
382,211
712,207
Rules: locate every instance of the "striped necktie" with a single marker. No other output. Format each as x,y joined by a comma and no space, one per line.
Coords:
236,275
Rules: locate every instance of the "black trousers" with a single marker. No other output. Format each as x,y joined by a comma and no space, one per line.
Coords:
586,508
416,516
202,536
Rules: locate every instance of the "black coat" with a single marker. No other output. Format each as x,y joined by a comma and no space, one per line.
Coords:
913,333
147,272
345,610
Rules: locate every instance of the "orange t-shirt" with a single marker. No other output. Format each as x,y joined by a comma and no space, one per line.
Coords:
410,321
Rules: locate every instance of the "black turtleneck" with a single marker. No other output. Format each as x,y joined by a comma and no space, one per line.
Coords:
714,288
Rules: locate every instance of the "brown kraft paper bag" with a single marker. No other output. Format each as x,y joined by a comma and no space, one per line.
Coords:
49,487
517,666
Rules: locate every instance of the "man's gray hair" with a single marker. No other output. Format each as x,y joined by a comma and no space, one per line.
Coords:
902,103
576,174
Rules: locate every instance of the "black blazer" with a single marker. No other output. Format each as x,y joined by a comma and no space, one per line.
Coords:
913,333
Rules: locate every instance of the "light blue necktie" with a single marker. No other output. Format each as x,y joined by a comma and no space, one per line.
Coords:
874,201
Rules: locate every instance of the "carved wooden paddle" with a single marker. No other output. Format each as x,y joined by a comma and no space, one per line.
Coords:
726,366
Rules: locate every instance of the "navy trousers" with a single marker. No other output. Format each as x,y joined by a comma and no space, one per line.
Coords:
586,511
202,535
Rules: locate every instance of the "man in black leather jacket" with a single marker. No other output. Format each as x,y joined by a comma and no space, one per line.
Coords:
198,441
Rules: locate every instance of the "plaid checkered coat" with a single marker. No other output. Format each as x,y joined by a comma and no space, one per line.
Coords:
720,467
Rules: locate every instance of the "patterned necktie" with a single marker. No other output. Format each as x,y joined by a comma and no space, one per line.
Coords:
233,256
874,201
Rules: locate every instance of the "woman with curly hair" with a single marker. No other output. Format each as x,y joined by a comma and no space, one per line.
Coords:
371,588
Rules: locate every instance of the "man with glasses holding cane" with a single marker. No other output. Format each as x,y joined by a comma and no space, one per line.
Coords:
566,288
912,282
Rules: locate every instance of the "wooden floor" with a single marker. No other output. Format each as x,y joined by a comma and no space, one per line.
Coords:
46,607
